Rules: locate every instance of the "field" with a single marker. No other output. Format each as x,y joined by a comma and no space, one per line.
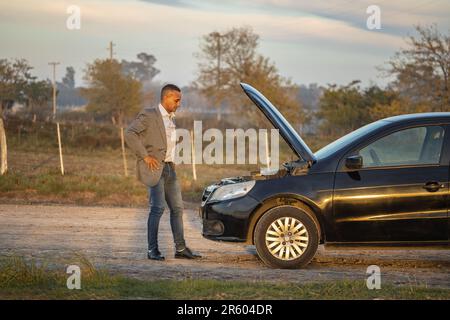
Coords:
95,216
94,170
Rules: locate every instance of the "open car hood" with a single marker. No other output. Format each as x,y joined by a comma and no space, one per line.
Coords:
288,133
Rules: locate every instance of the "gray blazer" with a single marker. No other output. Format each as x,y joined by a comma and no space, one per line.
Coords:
146,135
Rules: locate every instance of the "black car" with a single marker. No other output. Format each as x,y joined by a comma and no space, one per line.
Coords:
386,183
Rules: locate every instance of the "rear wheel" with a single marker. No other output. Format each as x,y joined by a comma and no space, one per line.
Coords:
287,237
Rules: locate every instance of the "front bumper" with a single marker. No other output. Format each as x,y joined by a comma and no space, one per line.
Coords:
227,220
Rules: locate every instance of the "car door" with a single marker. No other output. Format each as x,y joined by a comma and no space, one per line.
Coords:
400,193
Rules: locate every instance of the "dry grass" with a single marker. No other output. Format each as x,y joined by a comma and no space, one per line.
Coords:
95,178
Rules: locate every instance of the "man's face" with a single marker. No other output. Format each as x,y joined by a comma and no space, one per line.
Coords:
171,101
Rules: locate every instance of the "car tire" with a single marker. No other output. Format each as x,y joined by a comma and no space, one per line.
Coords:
287,237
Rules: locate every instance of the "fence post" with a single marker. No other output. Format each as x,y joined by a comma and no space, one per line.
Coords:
60,149
3,147
194,171
124,156
267,149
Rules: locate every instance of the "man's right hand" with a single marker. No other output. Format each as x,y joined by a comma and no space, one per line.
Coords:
151,162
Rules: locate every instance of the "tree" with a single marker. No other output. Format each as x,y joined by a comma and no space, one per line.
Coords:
14,77
38,94
142,70
111,93
68,93
69,78
263,75
217,62
341,109
345,108
422,70
228,58
396,107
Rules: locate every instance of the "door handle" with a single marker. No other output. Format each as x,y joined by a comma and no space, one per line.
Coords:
433,186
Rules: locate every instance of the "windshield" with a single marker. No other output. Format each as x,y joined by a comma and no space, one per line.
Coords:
347,139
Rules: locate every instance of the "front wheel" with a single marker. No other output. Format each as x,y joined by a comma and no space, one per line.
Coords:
287,237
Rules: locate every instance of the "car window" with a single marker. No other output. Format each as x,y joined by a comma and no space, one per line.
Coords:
349,138
413,146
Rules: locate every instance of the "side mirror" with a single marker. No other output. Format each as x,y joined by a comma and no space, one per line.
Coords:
354,162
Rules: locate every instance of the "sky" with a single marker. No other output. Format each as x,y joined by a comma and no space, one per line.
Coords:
309,41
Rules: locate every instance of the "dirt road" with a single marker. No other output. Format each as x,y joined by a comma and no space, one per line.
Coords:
115,238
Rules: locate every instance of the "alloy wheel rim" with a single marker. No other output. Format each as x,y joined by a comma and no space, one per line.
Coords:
287,238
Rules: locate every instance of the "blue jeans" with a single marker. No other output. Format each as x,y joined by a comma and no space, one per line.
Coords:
166,191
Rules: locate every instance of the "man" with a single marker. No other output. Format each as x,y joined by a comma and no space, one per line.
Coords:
152,137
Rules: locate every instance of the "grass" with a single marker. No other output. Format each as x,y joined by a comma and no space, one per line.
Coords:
94,188
72,189
94,178
94,173
21,279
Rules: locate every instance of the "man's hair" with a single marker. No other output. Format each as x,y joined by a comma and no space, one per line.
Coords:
167,88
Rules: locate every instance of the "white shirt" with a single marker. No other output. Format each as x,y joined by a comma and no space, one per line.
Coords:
171,137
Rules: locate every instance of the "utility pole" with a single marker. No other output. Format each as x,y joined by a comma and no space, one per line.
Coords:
121,130
218,60
54,64
110,49
217,35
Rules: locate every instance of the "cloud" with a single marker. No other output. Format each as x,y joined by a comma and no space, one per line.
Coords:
342,21
297,35
397,16
119,17
172,3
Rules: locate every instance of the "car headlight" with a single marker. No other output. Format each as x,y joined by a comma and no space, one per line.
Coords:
231,191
